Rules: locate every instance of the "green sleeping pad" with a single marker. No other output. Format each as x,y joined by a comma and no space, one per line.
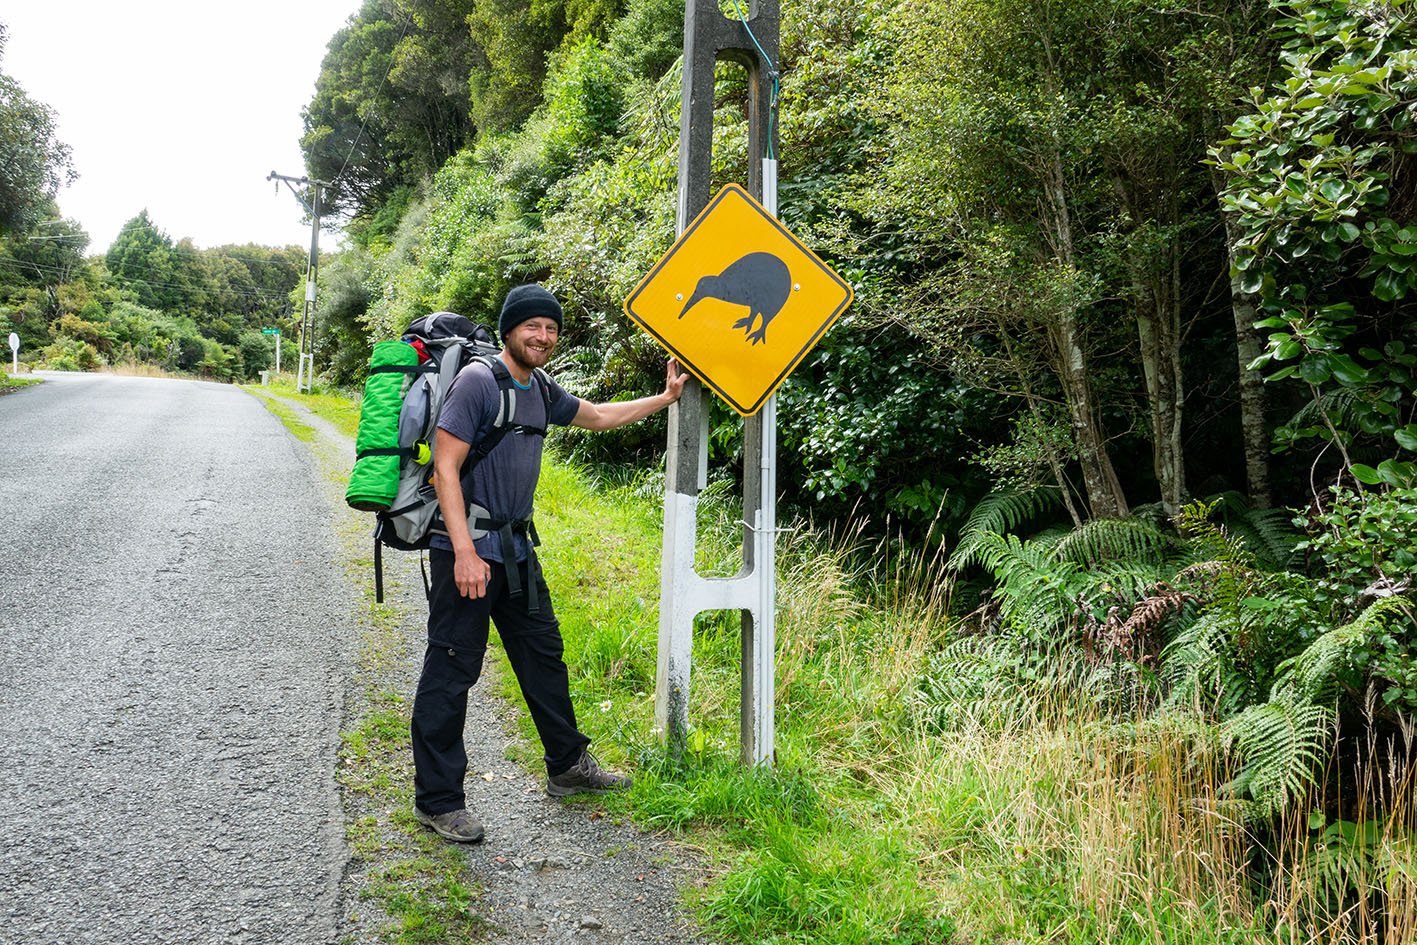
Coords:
375,477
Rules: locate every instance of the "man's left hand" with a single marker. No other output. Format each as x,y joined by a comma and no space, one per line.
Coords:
675,378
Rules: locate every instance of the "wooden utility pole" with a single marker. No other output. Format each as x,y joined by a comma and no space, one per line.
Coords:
709,36
305,374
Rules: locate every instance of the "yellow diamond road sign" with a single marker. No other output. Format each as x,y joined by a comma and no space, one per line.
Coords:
738,300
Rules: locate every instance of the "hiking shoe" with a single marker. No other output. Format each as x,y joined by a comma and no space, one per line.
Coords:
586,776
459,826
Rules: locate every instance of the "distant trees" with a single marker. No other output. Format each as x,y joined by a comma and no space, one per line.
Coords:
34,164
147,300
392,100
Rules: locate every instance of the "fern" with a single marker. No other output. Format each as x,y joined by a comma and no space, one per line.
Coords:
1333,659
1336,405
1281,744
1269,534
1112,539
996,514
1199,667
1034,590
1244,535
1128,581
972,678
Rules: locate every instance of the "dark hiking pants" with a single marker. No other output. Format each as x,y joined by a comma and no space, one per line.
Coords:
457,641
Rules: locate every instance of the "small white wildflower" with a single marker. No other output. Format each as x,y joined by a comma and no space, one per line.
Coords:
605,706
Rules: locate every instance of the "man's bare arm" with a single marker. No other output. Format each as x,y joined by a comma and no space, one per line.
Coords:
608,416
470,572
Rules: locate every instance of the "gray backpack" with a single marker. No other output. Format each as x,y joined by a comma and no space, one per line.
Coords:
451,342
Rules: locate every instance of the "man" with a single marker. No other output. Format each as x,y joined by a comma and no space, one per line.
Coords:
495,575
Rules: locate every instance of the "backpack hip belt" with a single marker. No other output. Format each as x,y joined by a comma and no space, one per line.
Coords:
505,531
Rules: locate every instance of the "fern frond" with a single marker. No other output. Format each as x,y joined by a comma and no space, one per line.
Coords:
999,513
1336,405
1207,540
1128,581
1200,670
1030,585
1330,660
1114,539
1269,534
1281,744
966,678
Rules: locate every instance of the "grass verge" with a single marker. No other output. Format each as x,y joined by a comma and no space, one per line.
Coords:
9,382
1018,824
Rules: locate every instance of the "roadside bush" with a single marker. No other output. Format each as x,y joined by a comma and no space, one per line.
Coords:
70,354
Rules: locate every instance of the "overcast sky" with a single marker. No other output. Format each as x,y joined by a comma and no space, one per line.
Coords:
181,107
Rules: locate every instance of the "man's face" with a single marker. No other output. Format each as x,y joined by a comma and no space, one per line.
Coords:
530,344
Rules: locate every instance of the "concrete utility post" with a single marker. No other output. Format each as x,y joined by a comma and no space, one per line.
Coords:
305,374
708,37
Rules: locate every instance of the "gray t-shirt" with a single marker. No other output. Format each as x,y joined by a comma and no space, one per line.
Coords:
505,481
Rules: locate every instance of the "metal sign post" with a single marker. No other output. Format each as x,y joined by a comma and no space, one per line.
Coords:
276,332
14,353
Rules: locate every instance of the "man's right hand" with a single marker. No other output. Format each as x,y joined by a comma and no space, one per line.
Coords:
471,574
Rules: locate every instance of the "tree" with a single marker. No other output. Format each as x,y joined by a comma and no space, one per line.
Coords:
516,39
41,274
1320,191
391,102
34,164
141,256
1005,160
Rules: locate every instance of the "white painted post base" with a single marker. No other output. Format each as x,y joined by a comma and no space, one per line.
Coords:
684,594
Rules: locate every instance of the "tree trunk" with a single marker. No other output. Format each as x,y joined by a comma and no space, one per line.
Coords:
1055,465
1158,336
1253,429
1104,490
1156,303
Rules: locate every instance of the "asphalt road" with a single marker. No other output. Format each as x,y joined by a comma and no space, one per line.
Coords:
174,640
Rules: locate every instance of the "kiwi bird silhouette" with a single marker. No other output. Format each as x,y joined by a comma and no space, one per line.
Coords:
759,281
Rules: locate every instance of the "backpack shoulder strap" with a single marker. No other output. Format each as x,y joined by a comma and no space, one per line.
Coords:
549,394
505,421
506,391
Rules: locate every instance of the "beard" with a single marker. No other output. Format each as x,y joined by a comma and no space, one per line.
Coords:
526,357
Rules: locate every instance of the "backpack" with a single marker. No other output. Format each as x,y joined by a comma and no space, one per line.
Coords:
408,382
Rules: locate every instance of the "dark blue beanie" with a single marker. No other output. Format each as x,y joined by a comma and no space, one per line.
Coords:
527,301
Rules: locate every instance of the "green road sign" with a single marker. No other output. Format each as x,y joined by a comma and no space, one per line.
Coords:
270,331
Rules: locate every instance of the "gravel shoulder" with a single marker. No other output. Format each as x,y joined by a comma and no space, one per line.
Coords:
548,871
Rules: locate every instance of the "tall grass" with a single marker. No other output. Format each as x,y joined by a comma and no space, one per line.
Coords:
1025,818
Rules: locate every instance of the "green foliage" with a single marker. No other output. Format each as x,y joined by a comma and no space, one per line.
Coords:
990,681
70,354
648,39
1319,183
142,257
1366,543
1281,744
35,163
866,431
390,104
998,513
